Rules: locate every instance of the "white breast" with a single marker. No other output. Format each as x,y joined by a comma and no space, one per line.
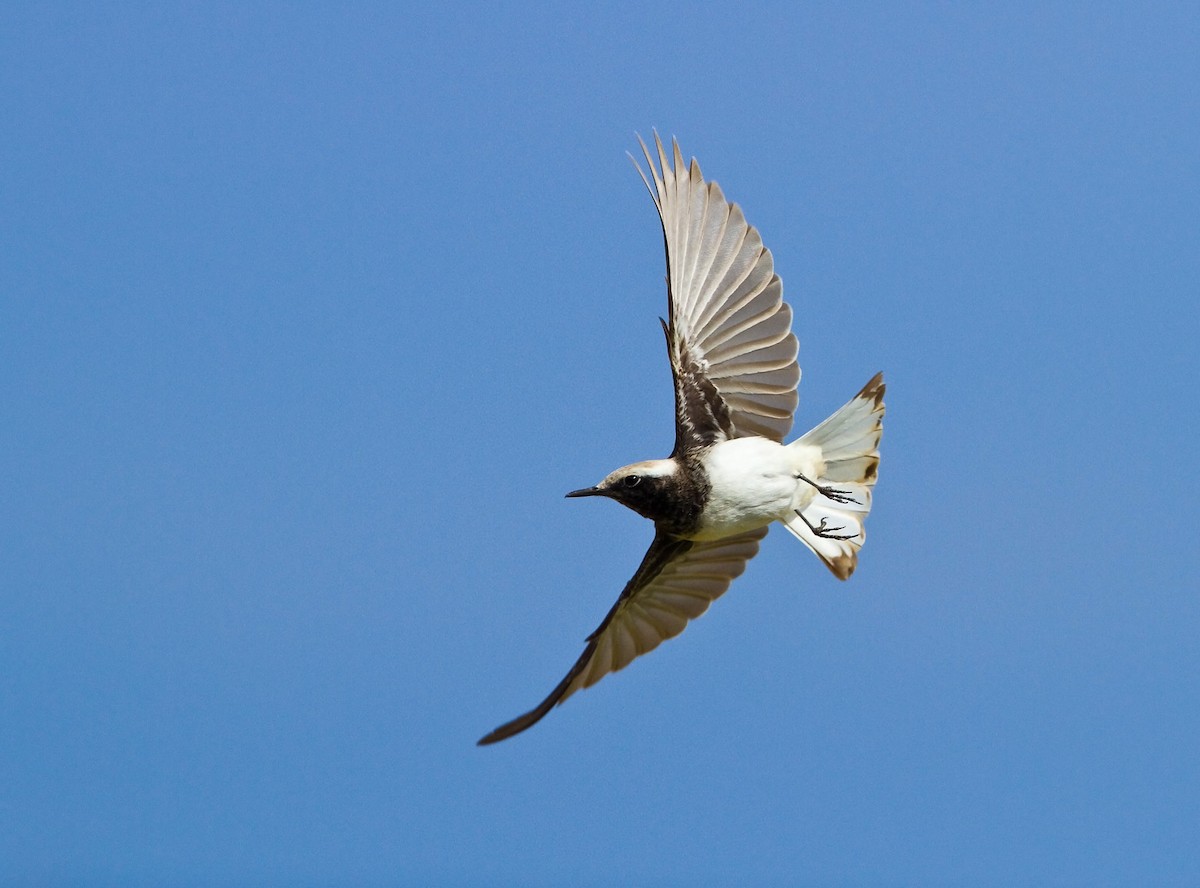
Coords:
753,482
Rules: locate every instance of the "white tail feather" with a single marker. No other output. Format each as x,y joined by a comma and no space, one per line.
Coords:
849,445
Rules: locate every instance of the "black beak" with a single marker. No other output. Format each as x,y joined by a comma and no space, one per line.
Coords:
587,491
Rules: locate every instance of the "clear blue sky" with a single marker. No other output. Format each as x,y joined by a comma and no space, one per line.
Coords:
309,317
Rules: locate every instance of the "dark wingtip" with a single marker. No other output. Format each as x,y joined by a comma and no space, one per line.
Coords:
530,718
494,737
516,726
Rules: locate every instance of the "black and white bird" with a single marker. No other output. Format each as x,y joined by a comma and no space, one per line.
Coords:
733,360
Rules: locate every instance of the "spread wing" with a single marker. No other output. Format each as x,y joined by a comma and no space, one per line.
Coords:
676,582
733,355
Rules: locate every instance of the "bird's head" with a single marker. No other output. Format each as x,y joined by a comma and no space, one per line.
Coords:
645,487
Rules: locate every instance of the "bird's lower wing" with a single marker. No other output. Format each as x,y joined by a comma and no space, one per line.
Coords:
676,582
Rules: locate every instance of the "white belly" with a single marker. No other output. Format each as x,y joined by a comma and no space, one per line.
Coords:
754,482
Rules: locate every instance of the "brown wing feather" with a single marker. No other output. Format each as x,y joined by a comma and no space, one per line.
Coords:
676,582
733,355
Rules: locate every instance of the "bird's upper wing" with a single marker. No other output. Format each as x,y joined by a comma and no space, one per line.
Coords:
733,355
676,582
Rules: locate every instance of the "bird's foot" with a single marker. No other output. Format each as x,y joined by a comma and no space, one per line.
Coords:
825,531
831,493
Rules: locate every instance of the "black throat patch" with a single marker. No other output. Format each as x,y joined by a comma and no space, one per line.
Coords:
673,502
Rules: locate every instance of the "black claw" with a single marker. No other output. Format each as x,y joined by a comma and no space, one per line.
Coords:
831,533
824,530
832,493
838,496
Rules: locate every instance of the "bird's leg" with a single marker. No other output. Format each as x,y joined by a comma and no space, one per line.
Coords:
824,530
838,496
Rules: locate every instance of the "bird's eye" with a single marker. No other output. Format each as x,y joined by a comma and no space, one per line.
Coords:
632,480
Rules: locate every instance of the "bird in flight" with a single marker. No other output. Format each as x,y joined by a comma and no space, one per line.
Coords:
733,362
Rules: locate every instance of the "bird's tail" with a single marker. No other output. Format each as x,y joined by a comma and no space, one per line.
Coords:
832,525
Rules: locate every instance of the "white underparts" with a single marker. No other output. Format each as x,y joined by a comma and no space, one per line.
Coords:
754,481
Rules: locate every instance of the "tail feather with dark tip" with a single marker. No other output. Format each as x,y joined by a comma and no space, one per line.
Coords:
834,526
